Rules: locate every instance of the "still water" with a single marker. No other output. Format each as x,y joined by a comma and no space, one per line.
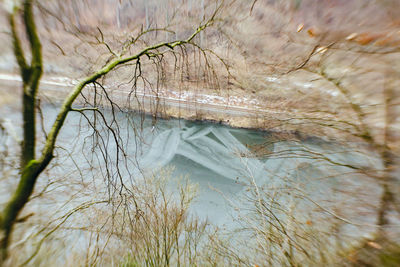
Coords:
222,161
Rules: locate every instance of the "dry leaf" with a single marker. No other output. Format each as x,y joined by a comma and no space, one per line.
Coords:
351,36
300,27
366,38
313,32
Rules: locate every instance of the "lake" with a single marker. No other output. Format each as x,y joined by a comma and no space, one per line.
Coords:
318,179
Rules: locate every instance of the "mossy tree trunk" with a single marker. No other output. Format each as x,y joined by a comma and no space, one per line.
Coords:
29,169
31,166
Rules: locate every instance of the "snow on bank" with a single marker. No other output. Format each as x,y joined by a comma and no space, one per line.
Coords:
59,81
167,94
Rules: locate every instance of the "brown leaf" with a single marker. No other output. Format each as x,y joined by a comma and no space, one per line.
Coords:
351,36
313,32
300,27
366,38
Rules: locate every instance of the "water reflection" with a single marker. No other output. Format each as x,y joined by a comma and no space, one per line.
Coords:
218,159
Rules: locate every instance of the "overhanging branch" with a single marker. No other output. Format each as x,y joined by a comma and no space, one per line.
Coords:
66,107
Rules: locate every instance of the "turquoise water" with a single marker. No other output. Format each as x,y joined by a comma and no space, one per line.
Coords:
222,161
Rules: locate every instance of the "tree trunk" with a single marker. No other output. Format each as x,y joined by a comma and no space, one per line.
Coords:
15,205
29,128
30,168
4,240
387,195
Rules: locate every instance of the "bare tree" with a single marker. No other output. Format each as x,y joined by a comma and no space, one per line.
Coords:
32,165
345,90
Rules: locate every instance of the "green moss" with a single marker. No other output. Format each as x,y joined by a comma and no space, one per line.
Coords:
390,257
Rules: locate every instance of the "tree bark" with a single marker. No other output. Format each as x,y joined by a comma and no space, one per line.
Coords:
30,169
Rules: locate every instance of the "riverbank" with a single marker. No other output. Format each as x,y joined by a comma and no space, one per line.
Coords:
245,112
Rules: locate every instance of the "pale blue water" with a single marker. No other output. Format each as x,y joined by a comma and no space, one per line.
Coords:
215,157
